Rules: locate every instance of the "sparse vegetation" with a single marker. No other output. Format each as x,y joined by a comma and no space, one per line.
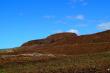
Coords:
87,63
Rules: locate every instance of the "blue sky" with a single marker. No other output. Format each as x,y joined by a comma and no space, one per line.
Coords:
24,20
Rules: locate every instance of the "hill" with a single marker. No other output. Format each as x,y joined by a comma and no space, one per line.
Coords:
70,43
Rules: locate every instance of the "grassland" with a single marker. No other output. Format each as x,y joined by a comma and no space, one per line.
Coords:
85,63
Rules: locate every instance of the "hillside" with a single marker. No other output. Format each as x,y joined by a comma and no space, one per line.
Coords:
70,44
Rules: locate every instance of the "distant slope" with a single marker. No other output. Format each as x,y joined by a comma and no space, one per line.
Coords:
70,43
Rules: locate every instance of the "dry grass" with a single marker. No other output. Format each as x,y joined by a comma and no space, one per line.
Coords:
88,63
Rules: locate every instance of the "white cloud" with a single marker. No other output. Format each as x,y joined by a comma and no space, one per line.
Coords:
73,31
104,26
70,30
78,17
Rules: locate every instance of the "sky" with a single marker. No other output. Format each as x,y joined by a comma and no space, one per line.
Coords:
24,20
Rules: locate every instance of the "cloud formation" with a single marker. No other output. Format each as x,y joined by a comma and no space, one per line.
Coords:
78,17
70,30
73,31
104,26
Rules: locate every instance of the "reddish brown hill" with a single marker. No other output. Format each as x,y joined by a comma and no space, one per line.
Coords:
59,37
70,43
